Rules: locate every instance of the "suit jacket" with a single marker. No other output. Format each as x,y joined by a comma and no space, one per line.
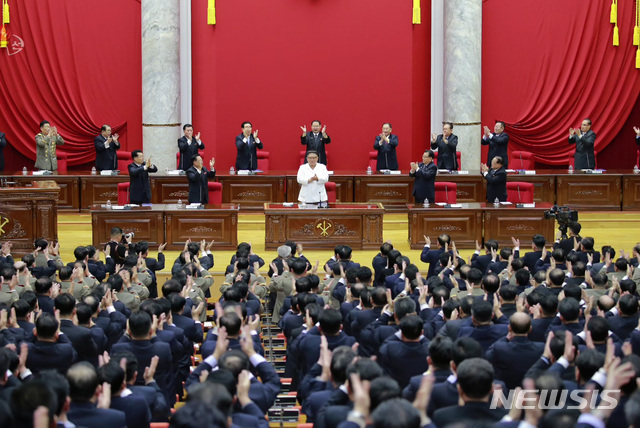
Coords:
247,157
432,257
88,415
82,341
187,151
584,156
486,335
199,184
49,355
3,144
511,359
46,152
446,152
402,360
145,350
135,408
192,330
155,400
45,303
481,262
316,144
425,182
497,147
106,157
530,258
475,412
387,157
140,189
496,184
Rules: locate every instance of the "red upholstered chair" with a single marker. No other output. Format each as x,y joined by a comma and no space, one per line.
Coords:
638,158
304,152
519,192
215,192
263,160
458,157
124,159
373,160
159,425
123,193
446,192
330,187
62,162
178,160
521,160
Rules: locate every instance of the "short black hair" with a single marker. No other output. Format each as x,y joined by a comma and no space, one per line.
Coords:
539,241
140,324
411,327
244,123
112,374
569,309
464,348
46,326
27,397
475,377
186,125
482,311
135,153
65,302
396,413
330,321
441,351
43,285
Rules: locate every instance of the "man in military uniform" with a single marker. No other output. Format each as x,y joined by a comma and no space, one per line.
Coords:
46,142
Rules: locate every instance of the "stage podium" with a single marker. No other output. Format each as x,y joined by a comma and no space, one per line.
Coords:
28,213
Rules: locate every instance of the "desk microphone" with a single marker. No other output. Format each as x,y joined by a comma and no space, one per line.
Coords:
521,162
519,198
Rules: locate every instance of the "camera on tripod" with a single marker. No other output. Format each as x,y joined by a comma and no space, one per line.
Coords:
563,215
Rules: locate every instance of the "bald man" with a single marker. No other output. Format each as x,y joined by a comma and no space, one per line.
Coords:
513,355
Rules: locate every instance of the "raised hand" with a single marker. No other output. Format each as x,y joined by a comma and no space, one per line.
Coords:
255,134
304,129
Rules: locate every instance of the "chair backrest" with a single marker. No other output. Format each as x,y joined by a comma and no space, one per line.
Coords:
522,160
373,160
62,162
446,192
303,154
638,158
330,187
458,158
159,425
263,160
124,159
215,192
178,160
123,193
519,192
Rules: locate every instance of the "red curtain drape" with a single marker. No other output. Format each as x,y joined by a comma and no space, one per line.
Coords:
548,64
79,69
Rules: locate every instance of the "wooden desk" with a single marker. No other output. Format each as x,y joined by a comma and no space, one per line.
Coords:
356,225
590,191
27,214
252,191
98,189
69,196
478,221
463,225
544,185
344,187
630,192
521,223
165,223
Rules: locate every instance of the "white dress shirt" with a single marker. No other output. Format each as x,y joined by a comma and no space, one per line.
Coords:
313,192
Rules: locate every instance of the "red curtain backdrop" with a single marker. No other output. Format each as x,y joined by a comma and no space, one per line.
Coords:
351,64
548,64
80,68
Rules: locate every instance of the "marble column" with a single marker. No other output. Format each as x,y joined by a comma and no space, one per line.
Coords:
463,76
161,125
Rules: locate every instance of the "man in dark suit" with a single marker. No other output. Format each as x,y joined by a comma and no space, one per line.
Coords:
537,244
433,256
135,408
140,189
483,330
584,139
567,244
80,337
187,147
424,174
106,147
84,390
482,262
496,180
248,145
198,177
141,345
386,144
497,142
475,382
512,357
47,352
315,140
446,143
3,144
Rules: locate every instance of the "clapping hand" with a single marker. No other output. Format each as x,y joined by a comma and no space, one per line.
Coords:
487,131
637,131
255,134
571,132
212,162
304,129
